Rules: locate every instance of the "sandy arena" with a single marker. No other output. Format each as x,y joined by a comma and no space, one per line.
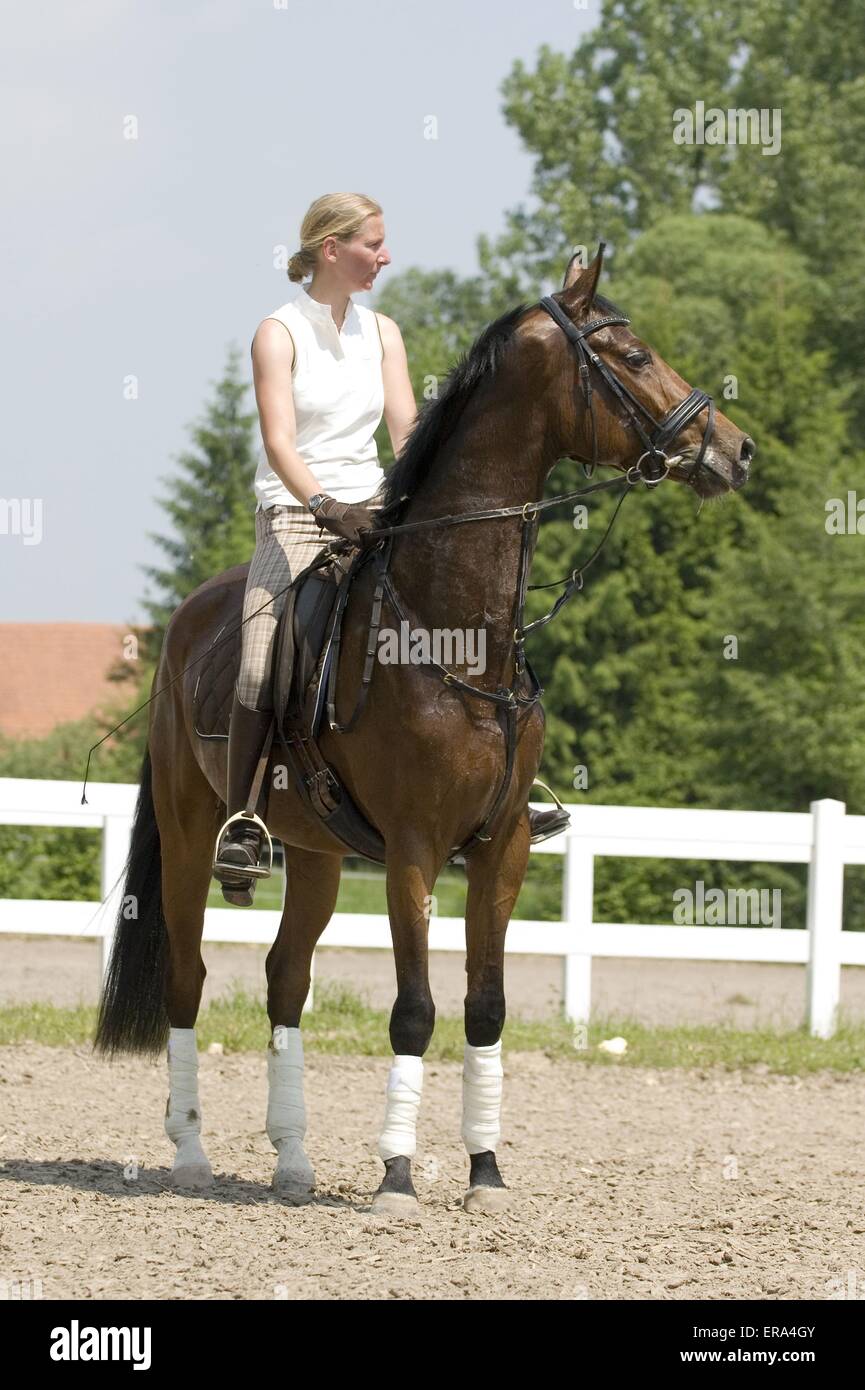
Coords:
630,1184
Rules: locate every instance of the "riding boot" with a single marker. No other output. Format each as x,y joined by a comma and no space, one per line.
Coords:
544,824
239,843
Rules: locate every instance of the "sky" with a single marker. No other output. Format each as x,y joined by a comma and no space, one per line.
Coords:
132,264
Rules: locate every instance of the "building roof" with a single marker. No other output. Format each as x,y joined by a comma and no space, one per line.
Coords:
51,673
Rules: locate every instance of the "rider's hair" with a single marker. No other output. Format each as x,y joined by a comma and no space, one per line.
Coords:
334,214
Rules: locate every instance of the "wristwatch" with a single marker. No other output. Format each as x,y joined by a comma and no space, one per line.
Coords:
315,501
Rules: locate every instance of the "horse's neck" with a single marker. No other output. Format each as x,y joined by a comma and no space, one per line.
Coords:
466,575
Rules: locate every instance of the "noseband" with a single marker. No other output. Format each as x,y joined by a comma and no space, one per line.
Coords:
663,432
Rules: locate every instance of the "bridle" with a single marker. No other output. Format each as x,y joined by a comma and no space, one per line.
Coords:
663,432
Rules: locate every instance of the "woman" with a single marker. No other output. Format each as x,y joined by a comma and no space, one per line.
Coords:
325,370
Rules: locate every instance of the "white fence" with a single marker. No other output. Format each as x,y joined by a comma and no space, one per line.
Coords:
825,838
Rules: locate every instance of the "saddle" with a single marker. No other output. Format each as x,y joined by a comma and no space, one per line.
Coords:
305,671
304,684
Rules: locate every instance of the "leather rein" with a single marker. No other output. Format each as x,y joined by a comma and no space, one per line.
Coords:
651,468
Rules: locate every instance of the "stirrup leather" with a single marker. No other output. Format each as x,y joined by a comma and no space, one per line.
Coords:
253,870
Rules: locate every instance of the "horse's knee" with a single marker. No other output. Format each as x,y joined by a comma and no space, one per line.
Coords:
485,1016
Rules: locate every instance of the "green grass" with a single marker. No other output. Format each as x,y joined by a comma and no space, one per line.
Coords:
342,1023
362,889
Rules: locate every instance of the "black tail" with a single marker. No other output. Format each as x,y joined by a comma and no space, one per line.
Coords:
132,1016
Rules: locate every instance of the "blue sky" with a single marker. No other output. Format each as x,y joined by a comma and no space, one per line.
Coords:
146,258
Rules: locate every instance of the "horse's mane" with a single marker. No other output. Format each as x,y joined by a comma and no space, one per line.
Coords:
600,301
438,418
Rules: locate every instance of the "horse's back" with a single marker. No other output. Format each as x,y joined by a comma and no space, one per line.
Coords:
196,621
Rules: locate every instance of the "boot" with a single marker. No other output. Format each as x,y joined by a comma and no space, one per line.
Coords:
239,843
543,825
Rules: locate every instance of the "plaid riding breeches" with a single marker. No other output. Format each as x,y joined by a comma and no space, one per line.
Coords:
287,539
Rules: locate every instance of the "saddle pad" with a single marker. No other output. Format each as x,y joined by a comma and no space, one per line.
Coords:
214,687
295,661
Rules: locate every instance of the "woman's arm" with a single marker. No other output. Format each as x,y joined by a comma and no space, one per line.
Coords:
400,410
272,355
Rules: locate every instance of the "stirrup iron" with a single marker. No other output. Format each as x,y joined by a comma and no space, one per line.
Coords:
536,782
243,871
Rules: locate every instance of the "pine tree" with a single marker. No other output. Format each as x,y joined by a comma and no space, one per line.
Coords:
210,501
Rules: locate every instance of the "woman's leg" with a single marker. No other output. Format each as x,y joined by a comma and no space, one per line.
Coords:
287,539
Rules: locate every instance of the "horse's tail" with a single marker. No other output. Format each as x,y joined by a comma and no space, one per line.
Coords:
132,1015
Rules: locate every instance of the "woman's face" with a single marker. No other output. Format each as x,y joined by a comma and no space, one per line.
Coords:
363,256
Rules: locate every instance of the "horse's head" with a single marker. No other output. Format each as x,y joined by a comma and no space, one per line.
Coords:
622,405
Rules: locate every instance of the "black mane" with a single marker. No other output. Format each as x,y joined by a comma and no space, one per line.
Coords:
437,418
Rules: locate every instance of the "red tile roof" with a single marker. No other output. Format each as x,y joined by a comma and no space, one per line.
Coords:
51,673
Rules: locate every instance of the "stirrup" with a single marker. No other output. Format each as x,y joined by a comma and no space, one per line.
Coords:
536,782
562,816
236,870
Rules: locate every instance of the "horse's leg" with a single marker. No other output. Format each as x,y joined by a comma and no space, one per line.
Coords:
495,874
411,873
312,885
187,814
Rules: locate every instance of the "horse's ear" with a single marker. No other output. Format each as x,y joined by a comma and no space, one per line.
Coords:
579,284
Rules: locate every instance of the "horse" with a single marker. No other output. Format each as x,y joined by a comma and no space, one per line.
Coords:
423,761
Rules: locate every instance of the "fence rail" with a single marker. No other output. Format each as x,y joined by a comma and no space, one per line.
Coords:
825,838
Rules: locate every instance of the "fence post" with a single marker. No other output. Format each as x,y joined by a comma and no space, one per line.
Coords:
825,915
116,836
578,895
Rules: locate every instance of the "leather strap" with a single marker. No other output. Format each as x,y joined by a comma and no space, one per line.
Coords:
261,767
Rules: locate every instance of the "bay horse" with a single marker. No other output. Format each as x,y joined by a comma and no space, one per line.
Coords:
543,382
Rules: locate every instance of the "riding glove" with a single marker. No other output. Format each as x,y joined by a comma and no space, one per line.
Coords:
345,518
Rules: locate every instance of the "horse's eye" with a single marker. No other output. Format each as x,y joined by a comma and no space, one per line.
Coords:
638,358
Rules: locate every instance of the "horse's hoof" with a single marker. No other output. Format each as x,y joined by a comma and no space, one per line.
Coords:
291,1189
395,1204
487,1199
192,1175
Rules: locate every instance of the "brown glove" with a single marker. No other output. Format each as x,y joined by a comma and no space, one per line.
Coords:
345,518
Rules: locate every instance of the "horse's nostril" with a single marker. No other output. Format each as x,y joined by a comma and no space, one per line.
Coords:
747,451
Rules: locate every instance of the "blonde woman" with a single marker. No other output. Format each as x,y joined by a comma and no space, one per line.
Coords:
325,370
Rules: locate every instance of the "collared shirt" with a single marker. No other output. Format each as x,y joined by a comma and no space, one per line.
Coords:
338,401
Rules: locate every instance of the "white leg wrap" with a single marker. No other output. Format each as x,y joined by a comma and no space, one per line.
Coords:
482,1097
286,1114
404,1087
183,1113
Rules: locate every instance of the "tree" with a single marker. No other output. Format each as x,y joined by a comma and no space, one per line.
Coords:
210,501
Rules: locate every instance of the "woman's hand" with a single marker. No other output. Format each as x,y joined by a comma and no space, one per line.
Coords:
345,518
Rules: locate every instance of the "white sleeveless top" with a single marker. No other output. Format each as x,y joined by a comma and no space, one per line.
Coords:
338,401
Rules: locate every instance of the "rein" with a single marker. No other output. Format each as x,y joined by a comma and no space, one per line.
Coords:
663,433
528,512
655,440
